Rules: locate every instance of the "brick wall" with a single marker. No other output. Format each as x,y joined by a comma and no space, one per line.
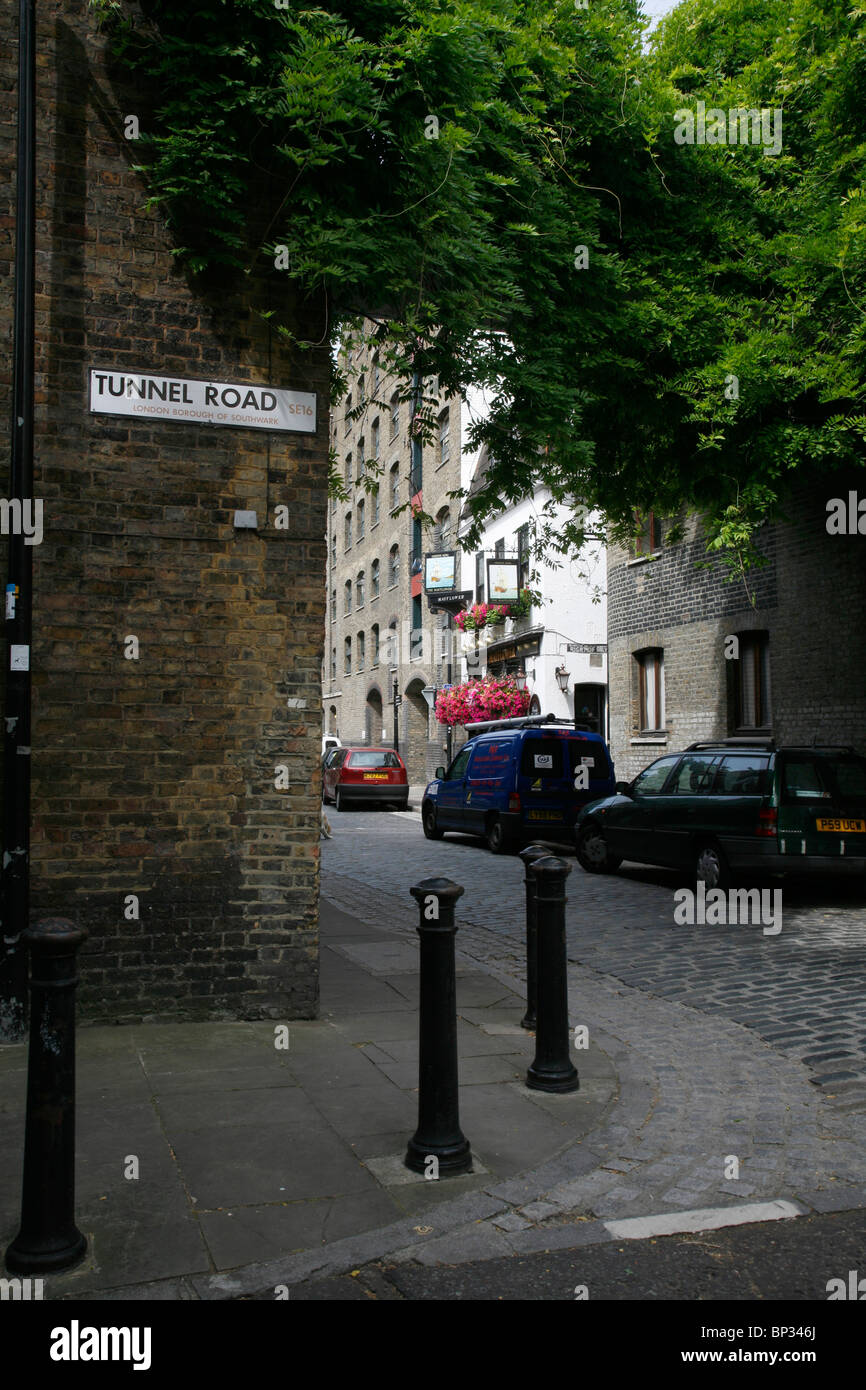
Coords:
810,599
156,777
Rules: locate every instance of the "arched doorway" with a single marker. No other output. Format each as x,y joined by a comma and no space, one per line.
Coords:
373,716
417,730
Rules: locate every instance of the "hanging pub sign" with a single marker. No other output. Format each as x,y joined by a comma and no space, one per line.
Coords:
187,401
503,581
440,572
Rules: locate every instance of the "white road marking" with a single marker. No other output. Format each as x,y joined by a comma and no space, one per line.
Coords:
703,1219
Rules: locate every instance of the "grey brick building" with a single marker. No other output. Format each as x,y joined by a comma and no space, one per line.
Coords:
378,623
797,669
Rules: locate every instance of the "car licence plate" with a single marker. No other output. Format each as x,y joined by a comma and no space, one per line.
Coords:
375,776
842,824
543,815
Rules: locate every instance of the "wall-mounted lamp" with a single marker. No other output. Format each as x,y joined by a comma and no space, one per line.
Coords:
520,680
562,678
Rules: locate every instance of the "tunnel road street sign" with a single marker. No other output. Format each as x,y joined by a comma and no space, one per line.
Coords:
186,401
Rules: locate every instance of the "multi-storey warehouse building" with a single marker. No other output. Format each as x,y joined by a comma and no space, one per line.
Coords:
380,637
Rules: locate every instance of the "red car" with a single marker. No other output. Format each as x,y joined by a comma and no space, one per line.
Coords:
365,774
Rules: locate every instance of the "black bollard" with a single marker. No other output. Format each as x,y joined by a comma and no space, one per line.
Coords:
528,855
48,1238
438,1134
552,1069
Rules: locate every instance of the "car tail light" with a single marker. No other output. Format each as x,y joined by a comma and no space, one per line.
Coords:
767,822
514,801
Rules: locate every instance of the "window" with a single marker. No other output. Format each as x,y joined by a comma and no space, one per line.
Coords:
744,774
374,645
479,577
359,590
334,549
347,657
377,375
499,549
395,415
417,635
347,421
651,690
374,579
348,470
393,566
347,531
694,775
651,781
333,665
392,642
523,556
444,438
648,533
333,605
347,605
360,526
541,758
753,682
417,546
457,769
362,646
362,450
373,757
395,485
362,390
442,536
374,504
374,439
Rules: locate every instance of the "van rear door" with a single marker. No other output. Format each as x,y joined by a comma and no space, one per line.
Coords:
544,780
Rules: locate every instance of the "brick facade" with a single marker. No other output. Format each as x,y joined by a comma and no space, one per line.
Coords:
156,777
809,600
358,703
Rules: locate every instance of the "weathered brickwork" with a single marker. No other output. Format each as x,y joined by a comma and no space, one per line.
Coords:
359,701
810,600
156,777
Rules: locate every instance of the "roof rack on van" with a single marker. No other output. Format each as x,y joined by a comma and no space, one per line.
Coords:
746,742
525,721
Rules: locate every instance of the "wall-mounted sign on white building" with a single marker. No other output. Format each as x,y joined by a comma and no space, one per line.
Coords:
114,392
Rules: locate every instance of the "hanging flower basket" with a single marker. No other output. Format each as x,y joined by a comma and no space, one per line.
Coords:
475,700
492,614
481,615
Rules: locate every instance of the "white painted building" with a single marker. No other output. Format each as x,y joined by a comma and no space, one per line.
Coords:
561,644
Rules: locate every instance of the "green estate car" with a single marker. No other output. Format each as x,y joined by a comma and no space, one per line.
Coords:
734,806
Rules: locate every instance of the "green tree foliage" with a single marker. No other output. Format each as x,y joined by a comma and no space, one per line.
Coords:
496,184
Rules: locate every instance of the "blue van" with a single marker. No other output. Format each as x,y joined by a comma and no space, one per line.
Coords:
518,779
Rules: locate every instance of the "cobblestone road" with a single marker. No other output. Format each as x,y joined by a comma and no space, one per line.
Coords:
802,991
722,1039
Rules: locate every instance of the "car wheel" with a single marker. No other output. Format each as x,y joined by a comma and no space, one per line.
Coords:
711,866
593,854
495,837
428,823
339,801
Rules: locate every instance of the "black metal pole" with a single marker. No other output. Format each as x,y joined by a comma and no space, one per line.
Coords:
396,719
552,1069
15,870
449,735
438,1134
48,1238
529,855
